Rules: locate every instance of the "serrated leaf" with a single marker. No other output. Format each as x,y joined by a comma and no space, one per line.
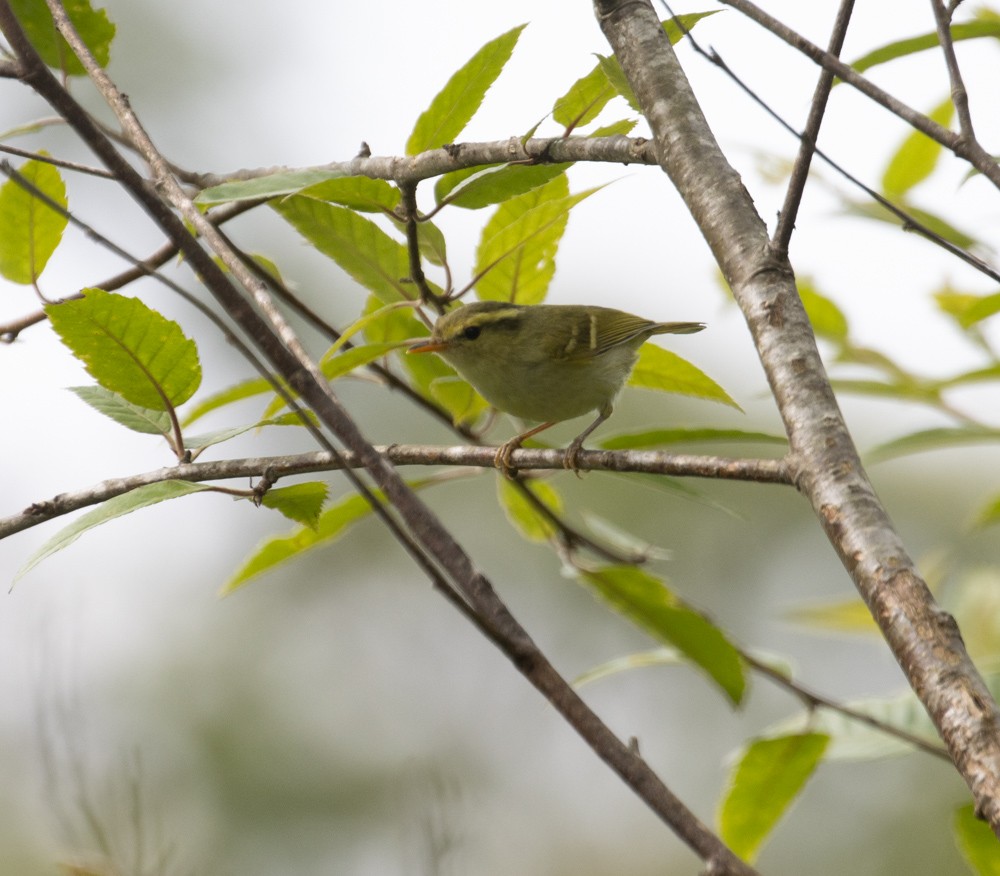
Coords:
665,371
523,515
274,185
917,156
92,25
667,437
129,348
769,776
584,101
141,497
675,33
299,502
976,841
647,602
430,240
133,417
616,77
448,182
331,525
934,439
518,245
503,183
985,27
358,193
828,320
355,243
455,105
30,230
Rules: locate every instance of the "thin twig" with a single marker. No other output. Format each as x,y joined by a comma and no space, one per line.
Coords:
810,136
959,95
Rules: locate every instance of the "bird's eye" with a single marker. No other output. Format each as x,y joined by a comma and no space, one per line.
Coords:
471,332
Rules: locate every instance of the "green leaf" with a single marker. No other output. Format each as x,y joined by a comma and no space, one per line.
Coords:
140,497
616,77
842,616
660,369
93,26
518,245
285,182
522,514
622,128
239,391
457,102
331,525
667,437
448,182
934,439
584,101
208,439
769,776
931,221
989,514
674,32
966,308
976,841
133,417
355,243
495,185
299,502
358,193
916,158
430,240
129,348
30,230
458,398
828,320
985,27
648,603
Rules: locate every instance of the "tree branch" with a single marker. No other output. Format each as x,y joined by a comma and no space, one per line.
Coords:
828,471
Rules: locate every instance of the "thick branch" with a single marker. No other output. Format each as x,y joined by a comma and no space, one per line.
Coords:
923,638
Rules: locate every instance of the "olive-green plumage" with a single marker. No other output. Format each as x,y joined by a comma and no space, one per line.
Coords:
546,362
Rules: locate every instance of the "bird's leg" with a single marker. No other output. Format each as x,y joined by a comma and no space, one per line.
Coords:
502,458
576,445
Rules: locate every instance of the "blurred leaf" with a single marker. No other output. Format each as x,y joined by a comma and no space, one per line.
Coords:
355,243
140,497
128,348
299,502
989,514
237,392
518,245
458,398
828,320
934,439
622,540
666,437
455,105
985,27
584,101
976,375
917,157
285,182
356,192
976,841
856,741
209,439
523,516
30,230
496,185
92,25
966,308
770,775
131,416
842,616
648,603
660,369
920,392
624,127
933,222
639,660
331,525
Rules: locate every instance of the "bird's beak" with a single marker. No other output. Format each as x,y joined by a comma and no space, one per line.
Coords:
428,346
